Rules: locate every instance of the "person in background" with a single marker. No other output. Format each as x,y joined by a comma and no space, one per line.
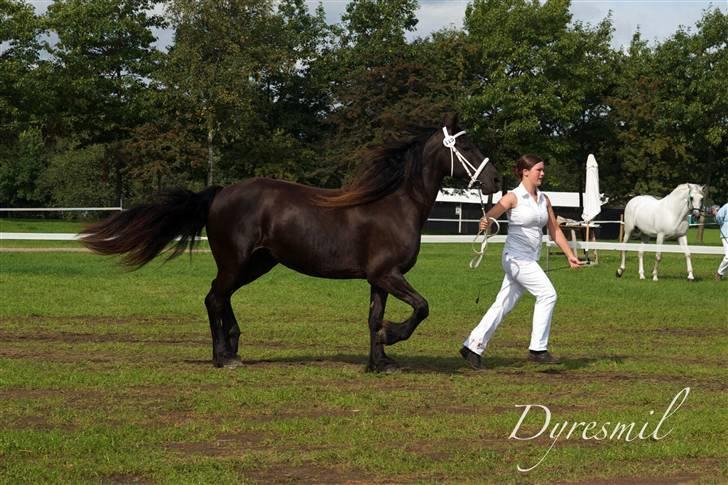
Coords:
529,210
721,217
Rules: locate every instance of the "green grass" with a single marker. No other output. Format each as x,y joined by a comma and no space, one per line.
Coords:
105,376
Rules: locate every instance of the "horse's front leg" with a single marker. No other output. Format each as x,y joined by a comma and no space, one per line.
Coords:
378,360
658,254
395,284
683,240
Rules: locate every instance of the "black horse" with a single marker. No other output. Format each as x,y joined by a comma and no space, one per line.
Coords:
369,229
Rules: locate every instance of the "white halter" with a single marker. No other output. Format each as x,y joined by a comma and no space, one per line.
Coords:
449,142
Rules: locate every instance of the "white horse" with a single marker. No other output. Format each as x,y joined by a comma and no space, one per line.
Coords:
662,218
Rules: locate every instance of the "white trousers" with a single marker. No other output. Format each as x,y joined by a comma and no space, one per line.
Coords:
724,264
519,275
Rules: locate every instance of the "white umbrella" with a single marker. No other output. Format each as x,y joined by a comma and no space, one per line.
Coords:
592,198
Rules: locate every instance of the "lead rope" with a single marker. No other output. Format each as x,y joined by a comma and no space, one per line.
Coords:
480,253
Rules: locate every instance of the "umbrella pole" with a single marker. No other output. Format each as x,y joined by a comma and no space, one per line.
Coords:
586,248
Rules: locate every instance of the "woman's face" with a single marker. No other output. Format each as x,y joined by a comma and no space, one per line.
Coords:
534,174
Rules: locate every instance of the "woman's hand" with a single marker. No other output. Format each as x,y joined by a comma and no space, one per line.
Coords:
574,262
484,223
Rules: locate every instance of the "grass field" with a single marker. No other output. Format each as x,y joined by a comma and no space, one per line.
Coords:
105,376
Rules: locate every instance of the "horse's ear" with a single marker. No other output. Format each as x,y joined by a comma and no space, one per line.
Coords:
451,122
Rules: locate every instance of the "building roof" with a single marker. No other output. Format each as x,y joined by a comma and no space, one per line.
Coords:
463,196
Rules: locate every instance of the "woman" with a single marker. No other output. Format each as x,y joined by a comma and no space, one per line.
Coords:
529,210
721,217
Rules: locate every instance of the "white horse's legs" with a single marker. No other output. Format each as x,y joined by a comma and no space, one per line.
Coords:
627,234
658,254
641,254
683,240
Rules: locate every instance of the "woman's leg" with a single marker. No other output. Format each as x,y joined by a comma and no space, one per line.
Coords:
531,277
723,267
508,296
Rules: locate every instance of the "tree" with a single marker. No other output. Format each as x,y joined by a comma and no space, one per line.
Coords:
22,150
102,62
19,59
670,111
381,83
693,70
213,65
538,84
292,103
20,167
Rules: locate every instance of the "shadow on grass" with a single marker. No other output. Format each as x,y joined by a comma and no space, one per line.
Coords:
428,365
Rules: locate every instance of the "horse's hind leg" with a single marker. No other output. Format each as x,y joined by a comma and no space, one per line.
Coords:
683,240
217,302
223,325
658,254
378,361
627,234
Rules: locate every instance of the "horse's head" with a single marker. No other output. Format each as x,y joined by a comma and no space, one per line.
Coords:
695,198
459,157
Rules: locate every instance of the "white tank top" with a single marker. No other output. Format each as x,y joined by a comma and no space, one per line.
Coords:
525,225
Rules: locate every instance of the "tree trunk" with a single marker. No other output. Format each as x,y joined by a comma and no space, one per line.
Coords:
210,150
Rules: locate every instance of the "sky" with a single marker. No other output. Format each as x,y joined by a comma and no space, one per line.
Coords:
655,19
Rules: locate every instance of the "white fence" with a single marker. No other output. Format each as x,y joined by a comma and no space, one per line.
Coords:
585,245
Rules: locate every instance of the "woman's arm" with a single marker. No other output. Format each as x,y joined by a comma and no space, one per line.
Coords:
506,202
558,236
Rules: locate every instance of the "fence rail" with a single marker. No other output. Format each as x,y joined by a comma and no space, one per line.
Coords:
585,245
59,209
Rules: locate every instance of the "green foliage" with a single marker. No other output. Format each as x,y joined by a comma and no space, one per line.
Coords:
160,157
80,177
670,109
20,65
20,167
269,88
538,84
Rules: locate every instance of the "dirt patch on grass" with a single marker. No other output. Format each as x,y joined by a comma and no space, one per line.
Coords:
227,445
37,423
96,319
124,478
682,479
692,332
312,473
561,376
93,337
444,449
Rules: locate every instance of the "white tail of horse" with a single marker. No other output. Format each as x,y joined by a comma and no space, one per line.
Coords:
665,218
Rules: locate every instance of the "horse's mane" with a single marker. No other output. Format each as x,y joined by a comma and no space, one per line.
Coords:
384,169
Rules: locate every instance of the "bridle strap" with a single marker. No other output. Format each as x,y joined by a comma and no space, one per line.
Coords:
473,172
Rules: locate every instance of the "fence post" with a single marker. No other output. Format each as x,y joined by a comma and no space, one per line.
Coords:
621,227
701,227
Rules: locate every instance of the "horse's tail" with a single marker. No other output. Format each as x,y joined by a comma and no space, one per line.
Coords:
143,231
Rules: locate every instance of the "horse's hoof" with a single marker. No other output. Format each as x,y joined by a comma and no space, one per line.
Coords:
383,337
620,272
232,362
387,366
